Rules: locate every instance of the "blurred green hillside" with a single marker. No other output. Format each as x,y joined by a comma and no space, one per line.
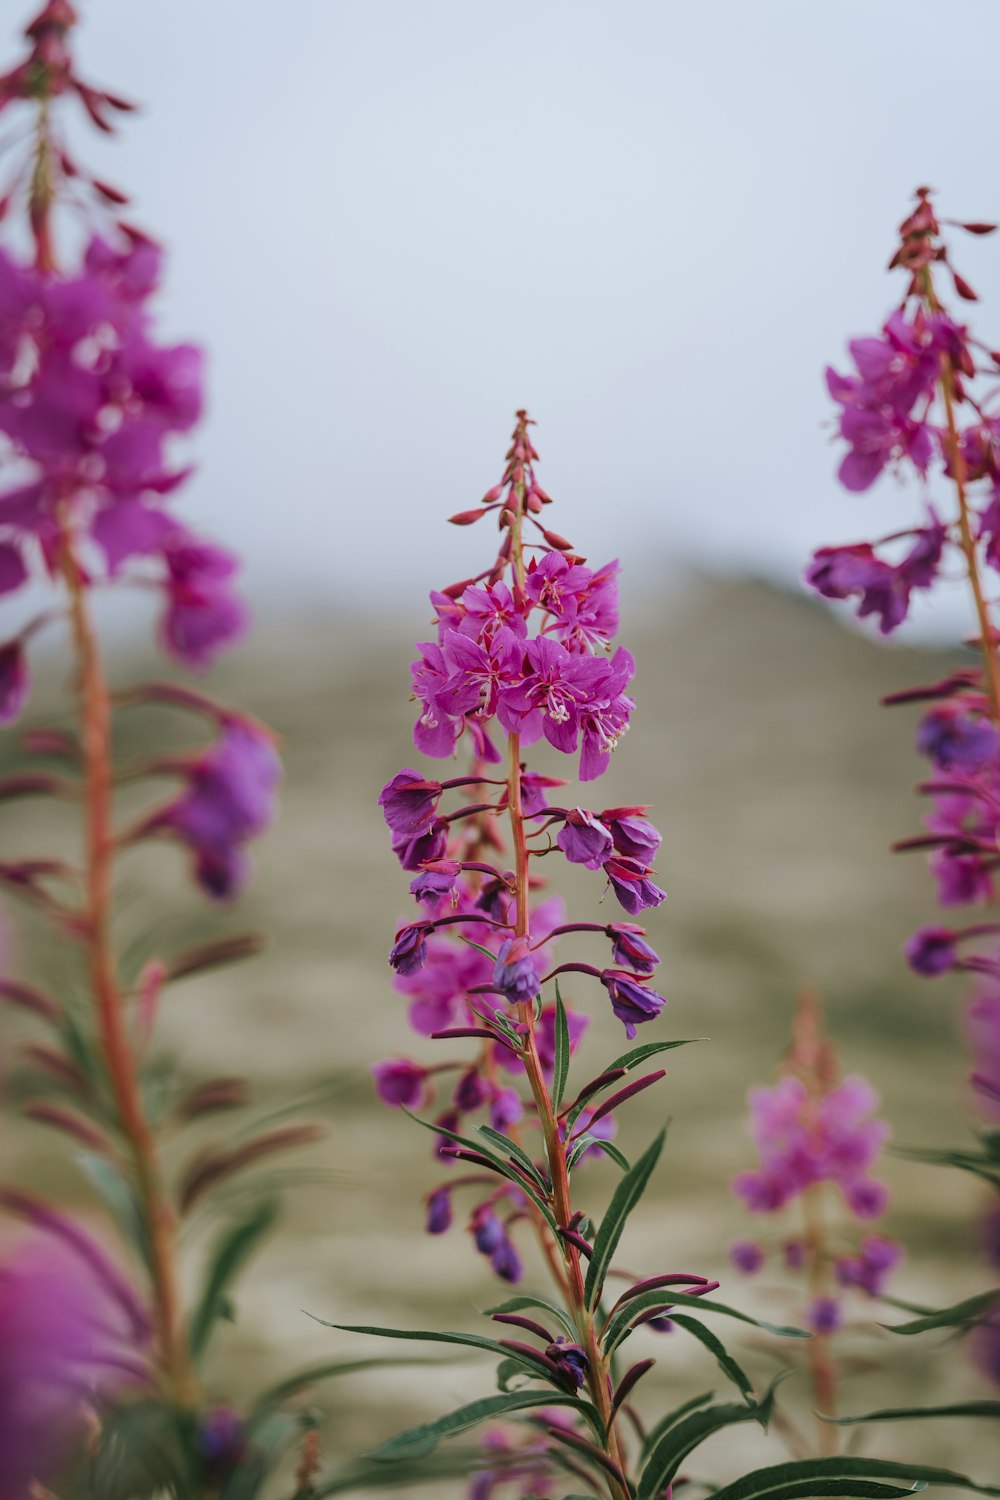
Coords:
778,783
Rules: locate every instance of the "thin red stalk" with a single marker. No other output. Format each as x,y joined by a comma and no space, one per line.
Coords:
571,1279
107,997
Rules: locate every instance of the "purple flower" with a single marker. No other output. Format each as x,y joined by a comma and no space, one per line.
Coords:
795,1255
866,1199
931,951
470,1091
478,673
823,1315
870,1268
409,803
414,850
435,732
439,1211
572,1359
632,886
222,1441
631,1002
229,799
746,1256
409,952
399,1081
203,615
549,698
841,572
584,840
431,886
630,948
516,973
15,681
633,835
606,717
506,1262
956,740
962,879
66,1341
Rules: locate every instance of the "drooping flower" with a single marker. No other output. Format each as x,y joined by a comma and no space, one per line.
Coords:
584,840
632,1003
516,973
229,798
632,885
409,803
399,1081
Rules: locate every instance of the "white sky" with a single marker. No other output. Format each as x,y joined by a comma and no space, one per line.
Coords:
394,221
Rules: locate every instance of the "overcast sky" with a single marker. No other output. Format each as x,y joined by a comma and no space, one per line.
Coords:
394,221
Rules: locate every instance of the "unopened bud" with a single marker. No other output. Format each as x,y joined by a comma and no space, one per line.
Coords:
963,288
466,517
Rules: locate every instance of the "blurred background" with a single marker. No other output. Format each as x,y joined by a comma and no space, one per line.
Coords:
391,224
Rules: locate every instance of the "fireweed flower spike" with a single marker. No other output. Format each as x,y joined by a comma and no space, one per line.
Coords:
923,399
524,652
94,403
817,1141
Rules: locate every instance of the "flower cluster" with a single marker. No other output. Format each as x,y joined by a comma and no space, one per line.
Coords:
812,1130
526,645
917,399
91,405
899,410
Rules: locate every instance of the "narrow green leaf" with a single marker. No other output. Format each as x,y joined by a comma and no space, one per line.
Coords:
965,1161
368,1475
618,1326
417,1442
665,1422
950,1317
502,1166
626,1195
269,1439
905,1413
669,1451
637,1055
725,1360
806,1477
509,1370
561,1068
504,1143
117,1195
468,1340
524,1301
587,1142
231,1253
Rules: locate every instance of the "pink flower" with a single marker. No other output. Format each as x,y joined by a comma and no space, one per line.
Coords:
68,1341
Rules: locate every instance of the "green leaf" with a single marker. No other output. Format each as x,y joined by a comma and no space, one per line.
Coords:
524,1301
507,1370
368,1475
116,1192
808,1477
725,1360
626,1195
657,1431
683,1437
231,1253
417,1442
980,1166
468,1340
503,1167
300,1380
608,1147
950,1317
618,1326
504,1143
560,1071
268,1440
905,1413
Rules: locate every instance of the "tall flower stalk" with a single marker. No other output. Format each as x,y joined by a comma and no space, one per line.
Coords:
923,401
